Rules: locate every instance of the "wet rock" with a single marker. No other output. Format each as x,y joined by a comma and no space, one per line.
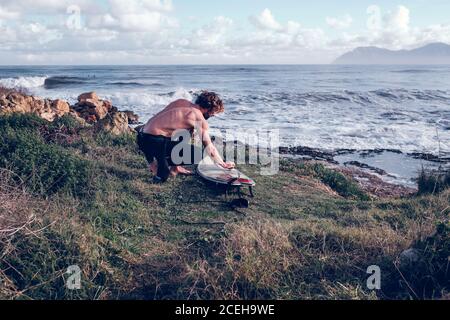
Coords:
308,153
429,157
361,165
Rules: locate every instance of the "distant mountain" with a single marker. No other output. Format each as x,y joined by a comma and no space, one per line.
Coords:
435,53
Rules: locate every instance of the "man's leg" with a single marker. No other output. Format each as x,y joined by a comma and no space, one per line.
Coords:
163,171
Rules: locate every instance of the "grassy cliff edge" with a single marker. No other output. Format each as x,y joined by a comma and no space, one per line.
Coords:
72,196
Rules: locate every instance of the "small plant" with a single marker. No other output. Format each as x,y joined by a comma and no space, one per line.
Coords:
338,182
433,181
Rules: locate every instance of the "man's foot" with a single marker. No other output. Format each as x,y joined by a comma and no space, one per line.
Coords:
180,170
153,167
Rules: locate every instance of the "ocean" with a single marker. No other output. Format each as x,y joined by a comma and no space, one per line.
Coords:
330,107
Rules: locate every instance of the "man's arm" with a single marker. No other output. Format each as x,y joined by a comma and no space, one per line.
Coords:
203,128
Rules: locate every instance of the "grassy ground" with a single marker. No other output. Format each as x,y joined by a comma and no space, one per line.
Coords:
69,197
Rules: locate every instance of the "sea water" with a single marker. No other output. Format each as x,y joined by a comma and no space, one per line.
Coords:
404,108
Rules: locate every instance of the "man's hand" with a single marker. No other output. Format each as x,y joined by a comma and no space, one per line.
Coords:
228,165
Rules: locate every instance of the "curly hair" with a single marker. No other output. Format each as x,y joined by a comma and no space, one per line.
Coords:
210,101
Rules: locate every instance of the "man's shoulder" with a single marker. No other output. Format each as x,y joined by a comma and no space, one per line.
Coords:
182,103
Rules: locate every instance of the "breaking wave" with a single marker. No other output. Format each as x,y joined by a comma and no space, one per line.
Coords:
63,81
23,82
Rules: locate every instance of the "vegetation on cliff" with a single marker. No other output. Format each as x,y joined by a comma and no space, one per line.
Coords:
71,195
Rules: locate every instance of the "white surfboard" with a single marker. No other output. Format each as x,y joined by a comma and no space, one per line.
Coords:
209,170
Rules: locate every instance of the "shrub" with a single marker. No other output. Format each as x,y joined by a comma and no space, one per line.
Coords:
433,181
338,182
46,168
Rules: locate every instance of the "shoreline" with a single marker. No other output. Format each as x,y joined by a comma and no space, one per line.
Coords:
390,166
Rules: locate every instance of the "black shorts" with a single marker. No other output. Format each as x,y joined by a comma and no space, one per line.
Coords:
160,148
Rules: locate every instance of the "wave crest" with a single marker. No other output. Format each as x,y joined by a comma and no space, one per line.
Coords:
23,82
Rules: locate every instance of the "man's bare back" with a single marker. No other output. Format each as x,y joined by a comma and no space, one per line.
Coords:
180,114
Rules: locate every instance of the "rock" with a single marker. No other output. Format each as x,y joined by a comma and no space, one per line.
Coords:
91,119
90,105
108,105
60,107
115,124
3,102
308,153
49,116
133,118
49,110
88,95
20,103
77,118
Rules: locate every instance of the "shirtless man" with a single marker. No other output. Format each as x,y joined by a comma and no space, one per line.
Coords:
155,138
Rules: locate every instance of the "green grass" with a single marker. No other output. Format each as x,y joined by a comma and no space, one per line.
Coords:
310,233
46,168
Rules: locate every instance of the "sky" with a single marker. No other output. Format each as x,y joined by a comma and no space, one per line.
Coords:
70,32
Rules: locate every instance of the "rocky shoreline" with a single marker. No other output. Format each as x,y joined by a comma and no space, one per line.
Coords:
90,110
318,154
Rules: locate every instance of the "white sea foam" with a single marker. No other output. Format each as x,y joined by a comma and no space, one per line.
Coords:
146,104
23,82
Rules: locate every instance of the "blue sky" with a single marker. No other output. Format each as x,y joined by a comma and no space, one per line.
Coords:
200,31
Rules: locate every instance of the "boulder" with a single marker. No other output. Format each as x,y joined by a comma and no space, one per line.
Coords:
60,107
20,103
90,105
108,105
49,116
115,124
88,95
133,118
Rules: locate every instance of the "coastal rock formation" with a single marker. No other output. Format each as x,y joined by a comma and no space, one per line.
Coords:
114,123
91,108
133,118
47,109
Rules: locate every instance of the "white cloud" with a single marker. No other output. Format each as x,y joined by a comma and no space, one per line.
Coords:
392,30
49,6
398,21
211,38
135,16
265,20
6,14
340,22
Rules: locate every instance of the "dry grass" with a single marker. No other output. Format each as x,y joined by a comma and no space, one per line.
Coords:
14,203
